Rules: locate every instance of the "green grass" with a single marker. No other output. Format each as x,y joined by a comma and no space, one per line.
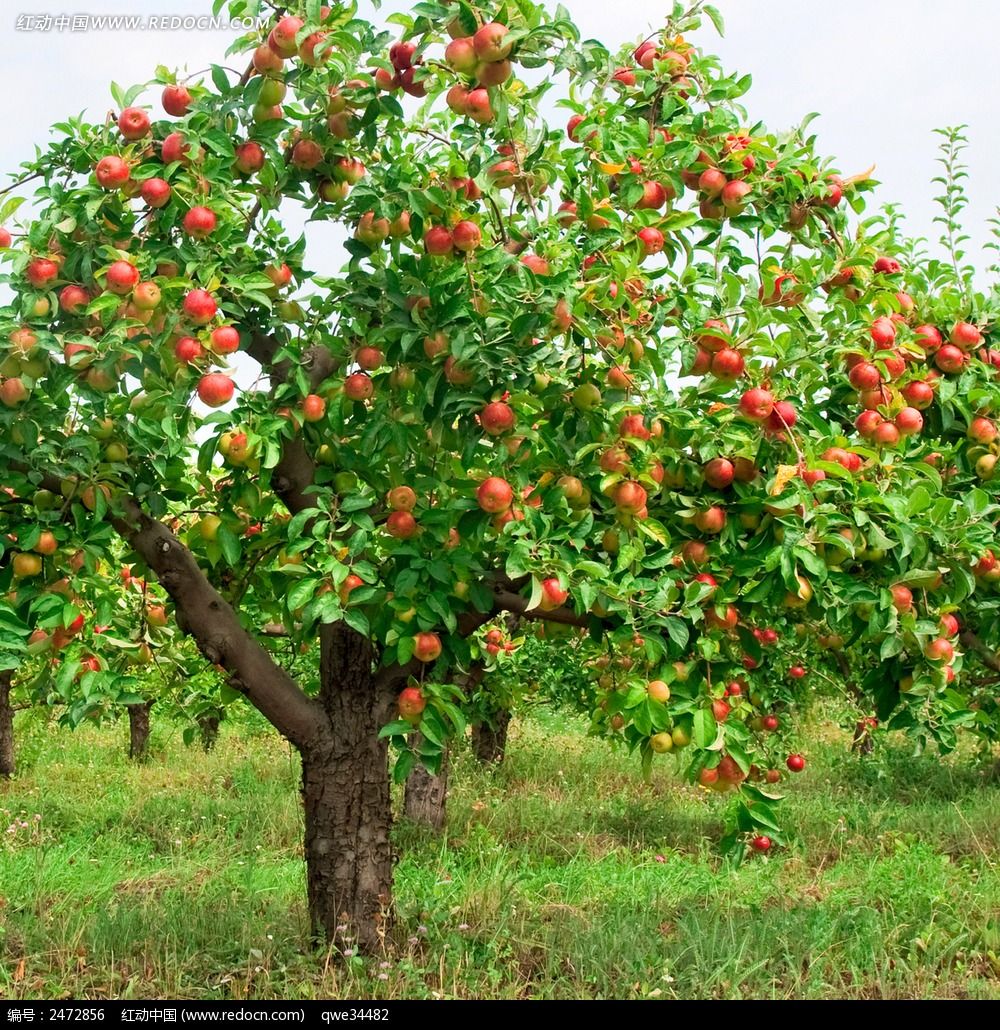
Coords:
562,875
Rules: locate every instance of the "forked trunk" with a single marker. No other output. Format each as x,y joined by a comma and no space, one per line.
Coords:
345,794
489,739
6,726
426,794
138,731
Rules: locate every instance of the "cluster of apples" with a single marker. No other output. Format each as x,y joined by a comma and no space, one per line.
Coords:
481,60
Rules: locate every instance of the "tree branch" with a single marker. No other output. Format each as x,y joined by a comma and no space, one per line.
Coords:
988,656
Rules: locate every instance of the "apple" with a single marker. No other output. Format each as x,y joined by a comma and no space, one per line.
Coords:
761,843
727,364
73,299
949,625
438,241
313,50
654,196
401,525
133,123
427,647
122,276
494,73
909,421
249,158
266,60
176,100
886,435
112,172
350,584
495,495
867,423
801,596
402,498
950,359
490,42
359,387
734,195
435,346
965,336
661,742
919,394
282,37
176,148
783,416
883,332
721,709
795,763
26,566
199,306
536,264
13,392
188,349
461,56
280,275
225,339
200,222
708,777
719,473
5,238
147,296
865,376
711,520
928,337
313,407
215,389
629,497
982,430
902,598
756,404
939,650
155,192
411,703
652,240
369,358
466,236
497,418
658,690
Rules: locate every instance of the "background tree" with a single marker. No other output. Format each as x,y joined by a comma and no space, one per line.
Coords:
491,408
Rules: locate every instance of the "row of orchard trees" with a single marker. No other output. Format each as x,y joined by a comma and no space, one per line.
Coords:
481,414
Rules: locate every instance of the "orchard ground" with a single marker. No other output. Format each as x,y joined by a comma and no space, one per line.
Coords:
563,875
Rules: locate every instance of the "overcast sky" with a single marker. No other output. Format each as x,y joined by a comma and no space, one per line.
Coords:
882,76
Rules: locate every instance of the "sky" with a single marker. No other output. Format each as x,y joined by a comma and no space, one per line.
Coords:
882,76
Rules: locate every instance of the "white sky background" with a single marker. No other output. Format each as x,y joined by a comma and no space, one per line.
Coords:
882,76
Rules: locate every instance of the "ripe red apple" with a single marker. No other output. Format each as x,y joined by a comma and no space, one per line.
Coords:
466,236
313,49
982,430
490,42
865,376
359,387
553,595
176,100
155,192
771,722
112,172
461,55
200,222
886,266
176,148
919,394
495,495
438,241
5,238
651,239
761,843
950,359
188,349
715,336
122,276
734,195
719,473
939,650
721,710
497,418
712,182
13,392
965,336
535,263
133,123
928,337
727,364
282,37
886,435
427,647
199,306
401,525
629,497
411,704
909,421
902,598
783,416
883,332
949,625
756,404
867,423
249,157
73,299
215,389
795,763
711,520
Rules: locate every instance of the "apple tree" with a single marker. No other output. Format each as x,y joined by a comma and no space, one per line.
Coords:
645,376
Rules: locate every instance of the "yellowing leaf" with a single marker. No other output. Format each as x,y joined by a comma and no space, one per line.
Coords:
785,474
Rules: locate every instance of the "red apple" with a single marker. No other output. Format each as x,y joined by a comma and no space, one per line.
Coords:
490,42
155,192
756,404
795,763
199,306
200,222
215,389
112,172
176,100
122,276
495,495
133,123
359,387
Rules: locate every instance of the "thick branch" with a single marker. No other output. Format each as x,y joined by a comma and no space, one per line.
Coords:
986,654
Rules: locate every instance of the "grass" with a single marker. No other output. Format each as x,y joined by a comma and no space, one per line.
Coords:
562,875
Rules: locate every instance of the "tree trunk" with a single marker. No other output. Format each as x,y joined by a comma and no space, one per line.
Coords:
426,794
345,794
489,741
6,725
208,725
138,731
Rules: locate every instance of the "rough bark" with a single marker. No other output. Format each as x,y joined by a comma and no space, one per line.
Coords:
489,739
208,727
345,794
424,800
6,725
138,731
